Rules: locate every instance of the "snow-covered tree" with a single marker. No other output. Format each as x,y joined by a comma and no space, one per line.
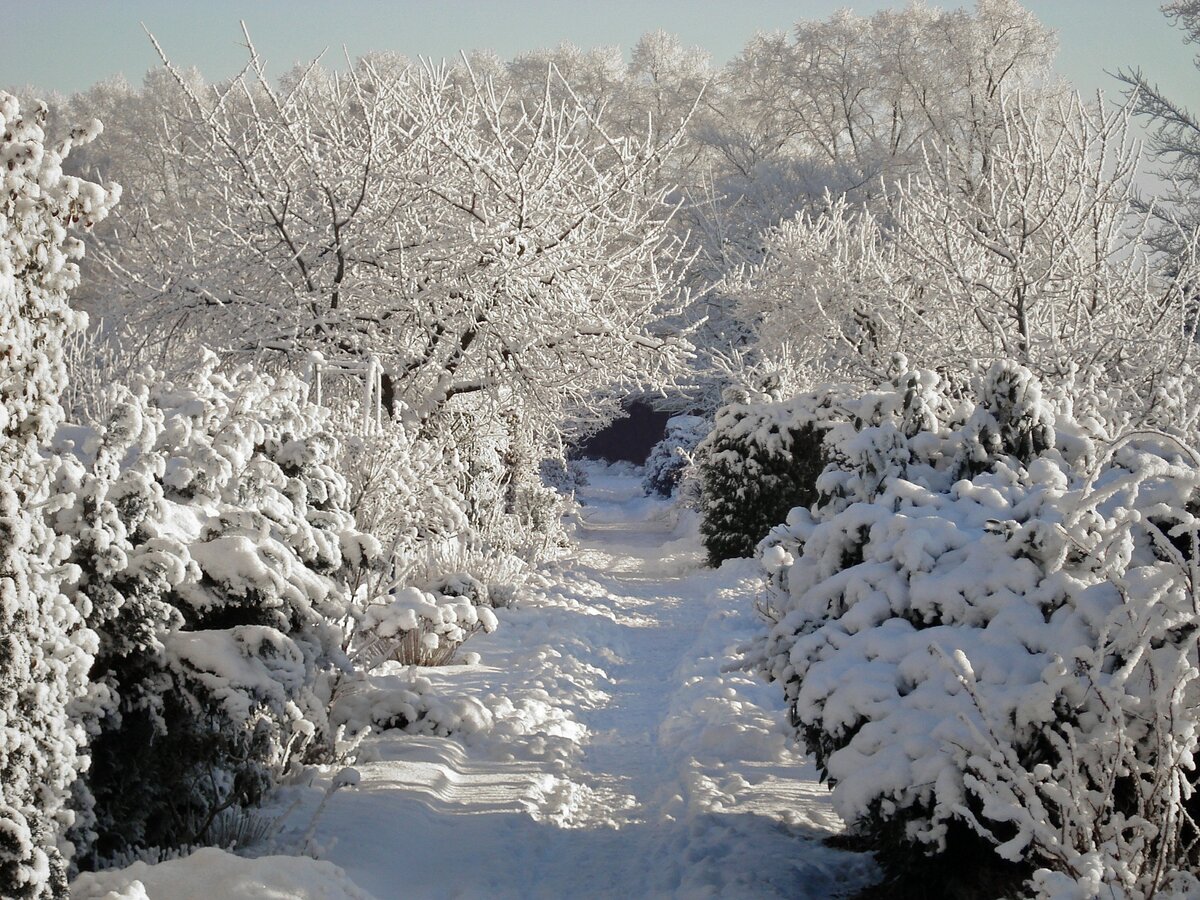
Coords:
845,108
1036,258
667,81
473,244
810,307
45,648
597,78
1174,143
850,102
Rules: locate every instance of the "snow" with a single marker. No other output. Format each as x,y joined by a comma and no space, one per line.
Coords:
622,762
599,748
209,874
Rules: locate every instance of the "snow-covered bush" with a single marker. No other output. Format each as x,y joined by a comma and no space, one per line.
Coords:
760,460
122,569
216,558
671,456
45,648
401,489
450,506
495,464
563,474
985,630
418,628
460,496
405,699
462,566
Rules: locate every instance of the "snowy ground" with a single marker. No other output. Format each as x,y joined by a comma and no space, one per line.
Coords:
602,752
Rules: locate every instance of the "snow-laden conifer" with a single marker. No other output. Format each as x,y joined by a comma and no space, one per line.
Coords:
672,456
760,460
45,650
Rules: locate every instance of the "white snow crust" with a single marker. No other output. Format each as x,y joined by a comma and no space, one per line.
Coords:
212,874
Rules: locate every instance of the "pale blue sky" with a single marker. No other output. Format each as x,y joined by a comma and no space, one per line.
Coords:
66,45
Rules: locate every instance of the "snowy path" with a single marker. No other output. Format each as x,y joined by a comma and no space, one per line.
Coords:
620,761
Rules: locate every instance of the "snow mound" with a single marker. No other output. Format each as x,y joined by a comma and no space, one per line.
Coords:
210,873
